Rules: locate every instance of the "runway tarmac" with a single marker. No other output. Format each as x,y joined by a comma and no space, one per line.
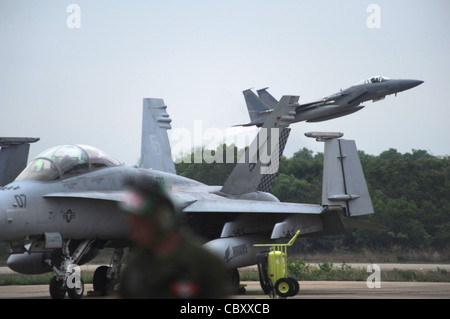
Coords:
308,290
359,290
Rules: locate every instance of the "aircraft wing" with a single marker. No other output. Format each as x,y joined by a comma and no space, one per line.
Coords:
310,104
332,99
252,206
358,95
209,205
235,217
228,217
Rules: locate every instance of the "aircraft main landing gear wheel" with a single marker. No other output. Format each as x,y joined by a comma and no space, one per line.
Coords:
235,279
105,278
57,291
100,280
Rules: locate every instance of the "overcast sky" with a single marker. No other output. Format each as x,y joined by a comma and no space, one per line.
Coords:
85,85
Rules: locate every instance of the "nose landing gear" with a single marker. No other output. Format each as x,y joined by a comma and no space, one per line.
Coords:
67,277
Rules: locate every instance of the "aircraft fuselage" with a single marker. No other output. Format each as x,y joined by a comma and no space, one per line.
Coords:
30,207
348,101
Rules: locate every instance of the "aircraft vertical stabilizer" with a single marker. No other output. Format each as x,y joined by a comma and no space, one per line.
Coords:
257,110
267,98
155,146
256,169
344,183
13,157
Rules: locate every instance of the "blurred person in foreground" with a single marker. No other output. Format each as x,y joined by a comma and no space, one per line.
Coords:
164,263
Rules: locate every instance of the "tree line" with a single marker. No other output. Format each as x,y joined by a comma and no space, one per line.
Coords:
410,194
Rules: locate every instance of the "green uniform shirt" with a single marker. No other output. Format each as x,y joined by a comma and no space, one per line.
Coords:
190,272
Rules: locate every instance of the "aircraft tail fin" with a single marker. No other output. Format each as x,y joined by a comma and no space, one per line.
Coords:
267,98
258,166
13,157
155,146
257,110
344,183
266,182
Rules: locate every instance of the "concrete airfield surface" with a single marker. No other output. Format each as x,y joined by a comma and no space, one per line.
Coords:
359,290
308,289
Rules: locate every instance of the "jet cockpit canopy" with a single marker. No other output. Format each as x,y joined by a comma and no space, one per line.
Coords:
66,161
373,79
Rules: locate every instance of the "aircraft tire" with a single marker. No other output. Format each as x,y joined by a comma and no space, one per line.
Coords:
234,279
57,291
76,293
100,281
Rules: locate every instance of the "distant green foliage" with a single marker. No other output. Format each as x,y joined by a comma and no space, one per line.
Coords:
410,194
328,271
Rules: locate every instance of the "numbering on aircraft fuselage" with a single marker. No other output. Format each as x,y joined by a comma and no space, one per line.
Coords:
21,201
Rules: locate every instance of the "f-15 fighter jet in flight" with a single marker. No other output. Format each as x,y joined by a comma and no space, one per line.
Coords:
333,106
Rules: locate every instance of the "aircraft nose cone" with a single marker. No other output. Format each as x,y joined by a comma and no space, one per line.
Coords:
409,84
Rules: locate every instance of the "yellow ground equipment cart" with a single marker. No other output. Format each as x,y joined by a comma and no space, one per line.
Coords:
272,267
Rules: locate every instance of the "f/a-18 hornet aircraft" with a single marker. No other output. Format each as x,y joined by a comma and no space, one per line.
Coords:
336,105
63,207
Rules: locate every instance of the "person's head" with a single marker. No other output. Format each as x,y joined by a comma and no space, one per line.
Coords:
148,210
